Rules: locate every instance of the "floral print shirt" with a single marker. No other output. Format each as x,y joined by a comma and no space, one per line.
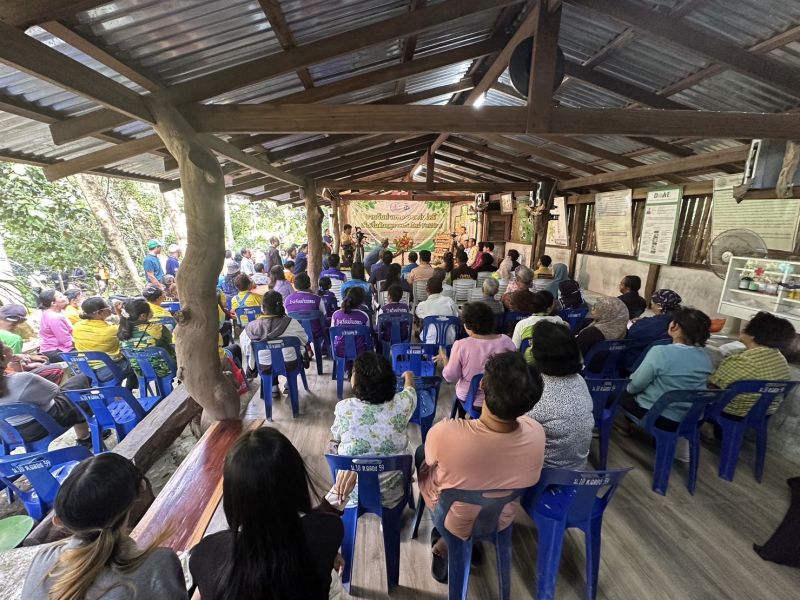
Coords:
376,430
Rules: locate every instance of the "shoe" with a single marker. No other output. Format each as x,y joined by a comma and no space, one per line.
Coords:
85,442
276,392
477,555
438,563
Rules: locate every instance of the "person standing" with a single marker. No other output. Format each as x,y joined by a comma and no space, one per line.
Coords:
273,255
173,260
347,245
375,255
301,259
246,266
152,265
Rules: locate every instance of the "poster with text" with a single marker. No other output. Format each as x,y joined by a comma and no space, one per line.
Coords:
557,233
660,225
612,221
523,225
775,220
392,219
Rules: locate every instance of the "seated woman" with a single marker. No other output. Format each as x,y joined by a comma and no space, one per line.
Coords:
100,560
542,306
765,337
508,266
646,330
55,330
565,408
609,322
357,279
353,313
374,422
94,334
273,324
303,299
244,293
277,545
30,388
560,275
681,365
520,299
155,296
259,277
136,332
73,309
278,282
329,299
393,278
470,354
394,305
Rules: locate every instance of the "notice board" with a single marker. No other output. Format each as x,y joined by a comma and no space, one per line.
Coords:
775,220
612,221
660,225
557,231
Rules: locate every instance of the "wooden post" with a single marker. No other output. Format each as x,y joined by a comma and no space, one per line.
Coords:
335,224
313,231
575,234
540,233
652,281
430,166
198,323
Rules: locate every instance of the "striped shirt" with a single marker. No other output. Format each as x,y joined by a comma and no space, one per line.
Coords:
757,363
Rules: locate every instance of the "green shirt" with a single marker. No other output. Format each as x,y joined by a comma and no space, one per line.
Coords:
757,363
12,340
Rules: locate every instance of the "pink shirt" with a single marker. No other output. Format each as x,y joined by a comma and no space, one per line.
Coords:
467,455
55,332
467,359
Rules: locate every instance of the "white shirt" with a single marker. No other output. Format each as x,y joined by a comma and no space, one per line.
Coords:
528,322
247,267
437,305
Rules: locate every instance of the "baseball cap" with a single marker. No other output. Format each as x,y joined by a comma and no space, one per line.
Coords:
173,248
153,244
233,267
13,313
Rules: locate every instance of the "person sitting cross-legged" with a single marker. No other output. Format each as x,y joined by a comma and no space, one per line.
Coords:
503,449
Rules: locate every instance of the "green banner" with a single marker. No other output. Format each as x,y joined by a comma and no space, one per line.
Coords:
394,219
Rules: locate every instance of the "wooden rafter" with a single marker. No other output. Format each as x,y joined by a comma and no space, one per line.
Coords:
442,90
274,13
532,150
520,161
525,173
100,158
25,13
409,47
347,184
543,67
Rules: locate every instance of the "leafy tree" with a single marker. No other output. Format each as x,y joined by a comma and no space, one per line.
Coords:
255,222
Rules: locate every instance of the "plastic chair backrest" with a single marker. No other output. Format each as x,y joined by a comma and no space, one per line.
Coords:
512,318
144,358
573,316
420,289
611,352
349,335
306,318
10,436
491,504
476,294
605,393
98,400
462,288
646,349
79,362
368,469
275,349
768,392
442,324
394,322
469,401
572,496
694,401
336,288
483,276
172,307
501,288
417,358
245,314
383,297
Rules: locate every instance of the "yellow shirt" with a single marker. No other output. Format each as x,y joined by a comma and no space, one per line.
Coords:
221,317
242,299
289,276
73,313
159,311
92,335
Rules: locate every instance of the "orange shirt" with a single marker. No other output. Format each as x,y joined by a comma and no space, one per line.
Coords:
467,455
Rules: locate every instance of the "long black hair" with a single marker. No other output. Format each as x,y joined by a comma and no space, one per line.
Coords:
353,299
134,312
272,304
265,488
392,276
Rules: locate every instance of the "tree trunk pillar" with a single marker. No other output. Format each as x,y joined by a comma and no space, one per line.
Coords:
314,217
176,217
204,205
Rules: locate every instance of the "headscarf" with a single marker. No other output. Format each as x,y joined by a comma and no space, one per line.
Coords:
570,294
667,300
610,317
560,273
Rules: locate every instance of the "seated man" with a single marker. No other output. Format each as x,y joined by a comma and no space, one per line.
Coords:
392,307
305,299
503,449
333,269
410,265
260,277
424,270
462,271
522,299
629,294
543,270
489,289
380,269
436,305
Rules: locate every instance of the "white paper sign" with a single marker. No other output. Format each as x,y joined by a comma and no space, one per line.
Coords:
659,227
774,220
612,221
557,233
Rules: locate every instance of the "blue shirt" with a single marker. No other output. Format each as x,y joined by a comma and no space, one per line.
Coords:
333,274
172,265
300,263
408,268
641,334
372,257
358,283
667,368
151,263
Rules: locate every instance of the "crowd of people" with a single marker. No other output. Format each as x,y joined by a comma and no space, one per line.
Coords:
535,409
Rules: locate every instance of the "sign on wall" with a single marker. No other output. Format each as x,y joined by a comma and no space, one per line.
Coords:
612,221
557,233
523,228
507,204
391,219
660,225
774,220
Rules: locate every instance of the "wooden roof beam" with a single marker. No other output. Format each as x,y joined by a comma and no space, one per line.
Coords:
452,88
446,158
521,161
543,67
532,150
409,47
239,156
525,173
349,184
100,158
277,20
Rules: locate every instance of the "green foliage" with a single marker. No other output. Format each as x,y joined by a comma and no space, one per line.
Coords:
255,222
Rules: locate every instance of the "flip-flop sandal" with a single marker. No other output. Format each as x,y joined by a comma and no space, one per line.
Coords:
438,562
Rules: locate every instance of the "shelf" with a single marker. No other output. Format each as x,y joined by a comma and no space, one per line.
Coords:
791,300
757,294
779,273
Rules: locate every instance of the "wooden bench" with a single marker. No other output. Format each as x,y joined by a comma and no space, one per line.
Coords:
190,498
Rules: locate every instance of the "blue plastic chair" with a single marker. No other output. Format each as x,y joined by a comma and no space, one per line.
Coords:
349,335
427,398
606,394
659,342
11,439
442,325
369,501
45,471
172,307
417,358
245,314
565,499
610,352
394,322
510,320
110,409
306,318
278,367
573,316
459,552
524,345
79,363
732,431
161,384
168,322
695,402
468,405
